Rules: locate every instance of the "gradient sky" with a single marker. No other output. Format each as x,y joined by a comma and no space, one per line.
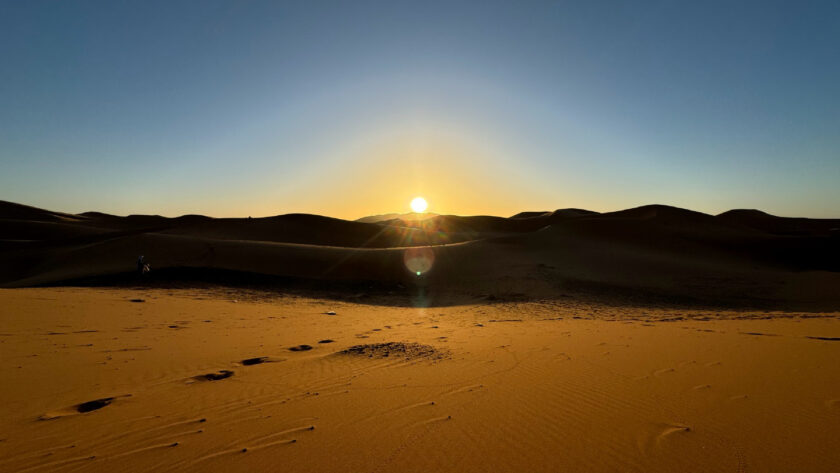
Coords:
353,108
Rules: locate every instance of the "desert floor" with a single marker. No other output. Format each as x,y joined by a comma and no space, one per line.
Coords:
484,386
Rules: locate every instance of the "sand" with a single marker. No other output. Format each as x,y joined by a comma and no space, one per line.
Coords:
651,255
653,339
206,379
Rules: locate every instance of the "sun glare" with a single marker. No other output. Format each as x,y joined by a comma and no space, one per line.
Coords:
419,205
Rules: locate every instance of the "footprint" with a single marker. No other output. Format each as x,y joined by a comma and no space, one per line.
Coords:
82,408
254,361
663,371
214,376
654,436
301,348
670,430
94,405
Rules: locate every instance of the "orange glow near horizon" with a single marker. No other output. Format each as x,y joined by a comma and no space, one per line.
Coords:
453,175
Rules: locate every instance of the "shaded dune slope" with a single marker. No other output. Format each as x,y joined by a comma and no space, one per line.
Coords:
765,222
649,254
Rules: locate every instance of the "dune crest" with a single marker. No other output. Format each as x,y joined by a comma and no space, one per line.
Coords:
653,254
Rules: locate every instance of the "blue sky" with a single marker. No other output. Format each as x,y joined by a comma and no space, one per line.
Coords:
352,108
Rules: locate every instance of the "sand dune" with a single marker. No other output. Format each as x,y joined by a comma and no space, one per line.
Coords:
653,339
765,222
394,216
650,254
238,380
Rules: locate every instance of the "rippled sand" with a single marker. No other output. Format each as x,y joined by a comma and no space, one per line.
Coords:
211,380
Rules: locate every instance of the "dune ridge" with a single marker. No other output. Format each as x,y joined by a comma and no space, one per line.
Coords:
648,254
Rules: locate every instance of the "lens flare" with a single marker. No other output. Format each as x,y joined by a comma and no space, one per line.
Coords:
419,260
419,205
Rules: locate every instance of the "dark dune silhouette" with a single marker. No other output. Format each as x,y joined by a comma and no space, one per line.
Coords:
394,216
649,254
767,223
556,213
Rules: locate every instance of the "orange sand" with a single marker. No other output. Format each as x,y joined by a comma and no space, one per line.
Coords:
490,387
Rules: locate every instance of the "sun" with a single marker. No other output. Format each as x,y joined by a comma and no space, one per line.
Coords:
419,205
